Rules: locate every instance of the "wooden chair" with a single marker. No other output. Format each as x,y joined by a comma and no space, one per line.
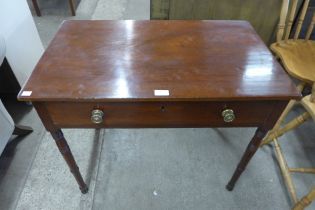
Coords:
38,13
298,58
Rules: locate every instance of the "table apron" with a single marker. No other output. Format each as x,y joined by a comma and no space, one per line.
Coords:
158,114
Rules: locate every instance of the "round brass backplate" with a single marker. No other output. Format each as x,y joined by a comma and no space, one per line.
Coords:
228,115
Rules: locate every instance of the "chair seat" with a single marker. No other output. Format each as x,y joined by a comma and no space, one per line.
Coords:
309,106
298,57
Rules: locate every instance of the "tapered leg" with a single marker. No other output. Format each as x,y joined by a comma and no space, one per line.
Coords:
71,4
35,4
247,156
67,155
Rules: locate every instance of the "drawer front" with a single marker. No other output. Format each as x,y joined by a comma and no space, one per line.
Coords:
158,114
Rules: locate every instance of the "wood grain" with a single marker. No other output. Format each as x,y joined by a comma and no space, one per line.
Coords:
194,60
114,67
159,114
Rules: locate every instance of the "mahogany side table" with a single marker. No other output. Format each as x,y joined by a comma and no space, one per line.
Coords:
157,74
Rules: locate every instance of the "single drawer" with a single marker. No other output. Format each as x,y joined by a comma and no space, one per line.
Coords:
158,114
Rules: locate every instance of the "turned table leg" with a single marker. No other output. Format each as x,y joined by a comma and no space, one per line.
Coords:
36,7
67,155
71,4
247,156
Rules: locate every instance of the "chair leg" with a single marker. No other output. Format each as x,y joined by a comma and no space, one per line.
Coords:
303,170
21,130
71,4
285,171
289,126
305,201
35,4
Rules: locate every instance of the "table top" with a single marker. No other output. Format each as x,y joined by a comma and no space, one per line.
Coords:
128,60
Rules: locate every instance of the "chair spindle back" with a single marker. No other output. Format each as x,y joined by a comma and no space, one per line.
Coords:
310,27
286,20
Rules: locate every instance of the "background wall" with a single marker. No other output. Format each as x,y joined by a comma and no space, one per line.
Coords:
262,14
23,45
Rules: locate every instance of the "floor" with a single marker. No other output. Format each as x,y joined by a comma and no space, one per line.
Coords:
17,158
56,11
142,168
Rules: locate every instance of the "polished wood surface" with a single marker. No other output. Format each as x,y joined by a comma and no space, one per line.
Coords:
128,60
159,114
211,69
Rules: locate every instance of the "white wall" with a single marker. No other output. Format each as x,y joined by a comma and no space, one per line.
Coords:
23,45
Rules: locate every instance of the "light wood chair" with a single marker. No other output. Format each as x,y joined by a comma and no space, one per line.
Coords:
38,13
298,58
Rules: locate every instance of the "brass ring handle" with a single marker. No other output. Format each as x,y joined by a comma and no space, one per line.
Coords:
97,116
228,115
